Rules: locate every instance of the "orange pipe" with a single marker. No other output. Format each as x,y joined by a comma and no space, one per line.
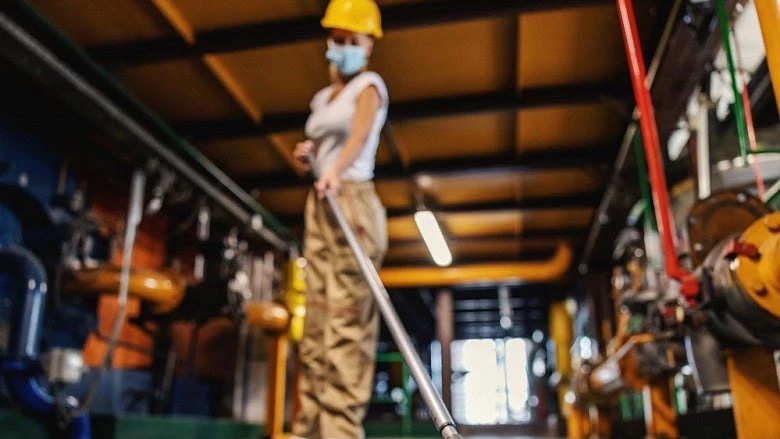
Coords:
163,290
278,349
266,315
495,273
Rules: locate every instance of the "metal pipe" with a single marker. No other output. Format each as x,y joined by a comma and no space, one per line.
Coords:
507,273
440,415
26,327
20,368
134,215
625,146
644,184
25,388
652,144
739,112
164,291
749,125
600,217
250,214
703,177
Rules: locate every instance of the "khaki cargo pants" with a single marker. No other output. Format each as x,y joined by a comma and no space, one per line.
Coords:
342,322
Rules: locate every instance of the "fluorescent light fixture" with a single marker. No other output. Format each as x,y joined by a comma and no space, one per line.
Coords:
434,239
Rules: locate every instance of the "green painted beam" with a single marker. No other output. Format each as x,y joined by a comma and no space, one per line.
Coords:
15,425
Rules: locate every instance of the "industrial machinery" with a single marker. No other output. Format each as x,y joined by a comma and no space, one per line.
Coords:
55,275
61,261
696,297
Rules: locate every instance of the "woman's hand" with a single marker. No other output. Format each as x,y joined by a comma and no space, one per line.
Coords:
300,154
329,181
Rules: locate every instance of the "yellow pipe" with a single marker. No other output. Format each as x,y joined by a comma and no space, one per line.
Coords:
769,17
163,290
266,315
562,333
541,271
278,348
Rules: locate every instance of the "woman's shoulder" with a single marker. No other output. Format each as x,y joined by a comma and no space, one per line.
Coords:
367,79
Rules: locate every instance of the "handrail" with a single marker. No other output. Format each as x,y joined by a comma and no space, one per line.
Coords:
125,115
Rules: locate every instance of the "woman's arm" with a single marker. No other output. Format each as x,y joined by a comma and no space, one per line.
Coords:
368,103
367,106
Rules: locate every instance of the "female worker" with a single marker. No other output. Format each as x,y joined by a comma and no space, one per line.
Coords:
342,324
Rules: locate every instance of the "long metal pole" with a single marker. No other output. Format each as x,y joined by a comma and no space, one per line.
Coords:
703,148
625,146
439,413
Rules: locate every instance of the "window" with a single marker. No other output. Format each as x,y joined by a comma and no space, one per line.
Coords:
490,381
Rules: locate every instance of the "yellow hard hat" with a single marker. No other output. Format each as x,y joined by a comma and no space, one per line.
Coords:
361,16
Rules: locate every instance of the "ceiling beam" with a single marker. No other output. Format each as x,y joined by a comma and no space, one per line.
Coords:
258,35
221,73
594,157
564,234
578,201
507,100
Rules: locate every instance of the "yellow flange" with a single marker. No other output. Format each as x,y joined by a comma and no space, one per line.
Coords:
760,276
266,315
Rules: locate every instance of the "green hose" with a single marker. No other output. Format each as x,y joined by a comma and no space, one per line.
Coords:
644,183
739,111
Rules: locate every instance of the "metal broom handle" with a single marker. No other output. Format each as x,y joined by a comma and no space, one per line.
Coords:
441,416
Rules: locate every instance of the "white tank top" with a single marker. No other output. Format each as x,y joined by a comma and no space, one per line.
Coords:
330,124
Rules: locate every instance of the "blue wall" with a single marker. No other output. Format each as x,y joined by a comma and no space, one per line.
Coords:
25,159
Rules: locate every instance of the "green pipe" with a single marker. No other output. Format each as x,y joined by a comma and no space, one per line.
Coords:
739,111
765,151
644,184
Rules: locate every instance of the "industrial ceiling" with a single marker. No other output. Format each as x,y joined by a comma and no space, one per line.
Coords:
505,115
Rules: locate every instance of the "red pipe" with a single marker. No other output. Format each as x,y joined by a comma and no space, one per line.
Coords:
651,142
751,131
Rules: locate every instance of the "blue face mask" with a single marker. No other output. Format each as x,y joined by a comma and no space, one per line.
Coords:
347,59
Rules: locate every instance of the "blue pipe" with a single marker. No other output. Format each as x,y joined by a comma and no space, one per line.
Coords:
26,326
21,367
